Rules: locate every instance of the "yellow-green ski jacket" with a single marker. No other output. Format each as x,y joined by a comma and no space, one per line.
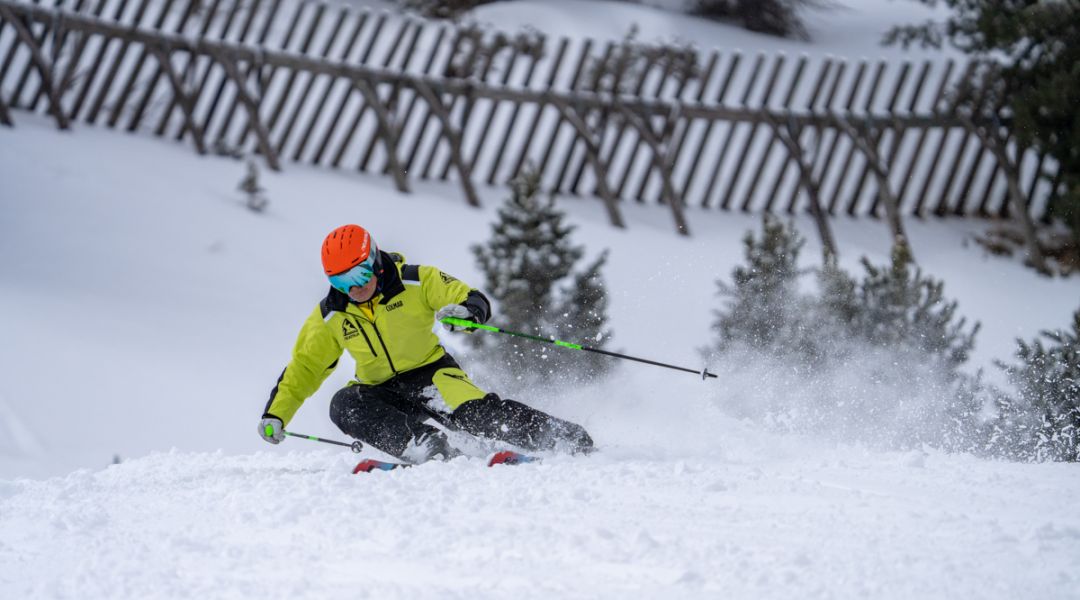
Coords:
386,336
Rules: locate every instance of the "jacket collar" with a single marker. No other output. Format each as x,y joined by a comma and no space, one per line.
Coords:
390,284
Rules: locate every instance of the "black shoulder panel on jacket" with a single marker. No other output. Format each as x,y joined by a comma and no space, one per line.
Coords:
334,301
410,273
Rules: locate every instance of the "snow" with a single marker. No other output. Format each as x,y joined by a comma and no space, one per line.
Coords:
145,314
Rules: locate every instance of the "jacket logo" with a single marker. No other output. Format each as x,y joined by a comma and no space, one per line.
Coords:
348,329
447,279
394,306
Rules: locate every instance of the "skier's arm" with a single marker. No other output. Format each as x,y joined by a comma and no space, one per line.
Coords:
314,358
441,290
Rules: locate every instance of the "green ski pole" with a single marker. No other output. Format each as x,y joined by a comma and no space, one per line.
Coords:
356,446
472,325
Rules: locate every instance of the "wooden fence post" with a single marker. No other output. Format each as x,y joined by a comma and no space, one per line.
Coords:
255,123
388,130
184,99
661,160
453,139
992,141
38,60
594,157
789,136
5,116
866,140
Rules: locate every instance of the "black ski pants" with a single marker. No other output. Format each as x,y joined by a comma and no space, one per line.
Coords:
390,415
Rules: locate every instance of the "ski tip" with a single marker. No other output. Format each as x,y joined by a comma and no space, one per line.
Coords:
509,457
369,465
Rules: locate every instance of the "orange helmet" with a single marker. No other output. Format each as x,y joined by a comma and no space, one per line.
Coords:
346,247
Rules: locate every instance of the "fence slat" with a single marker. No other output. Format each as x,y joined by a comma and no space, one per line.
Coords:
764,160
823,74
148,92
265,77
696,155
309,132
343,146
815,173
114,68
578,70
530,135
729,135
133,73
468,103
856,85
61,83
878,136
221,137
38,61
501,151
778,63
301,101
423,129
39,41
9,56
395,93
223,82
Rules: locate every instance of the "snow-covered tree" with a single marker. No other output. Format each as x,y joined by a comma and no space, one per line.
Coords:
1042,421
762,302
530,253
776,17
901,306
583,315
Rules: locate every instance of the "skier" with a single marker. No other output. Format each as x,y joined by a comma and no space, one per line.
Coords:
380,310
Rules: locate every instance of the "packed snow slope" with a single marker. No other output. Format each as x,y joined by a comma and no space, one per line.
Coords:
144,308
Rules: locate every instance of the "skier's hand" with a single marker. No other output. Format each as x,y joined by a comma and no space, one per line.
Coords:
453,310
272,429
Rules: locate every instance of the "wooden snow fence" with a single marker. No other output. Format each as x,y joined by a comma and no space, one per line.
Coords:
622,121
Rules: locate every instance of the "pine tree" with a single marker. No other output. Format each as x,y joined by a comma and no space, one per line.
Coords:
584,317
528,255
775,17
1043,421
759,308
256,201
900,306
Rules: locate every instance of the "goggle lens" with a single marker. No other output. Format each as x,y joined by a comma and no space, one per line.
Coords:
357,276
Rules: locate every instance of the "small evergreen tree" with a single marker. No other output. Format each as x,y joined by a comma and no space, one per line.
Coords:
758,310
256,201
775,17
899,306
528,255
584,315
1043,421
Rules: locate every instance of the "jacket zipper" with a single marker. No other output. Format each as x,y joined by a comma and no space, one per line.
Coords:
360,326
383,344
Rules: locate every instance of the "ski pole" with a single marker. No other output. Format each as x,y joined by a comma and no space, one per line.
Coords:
471,325
356,446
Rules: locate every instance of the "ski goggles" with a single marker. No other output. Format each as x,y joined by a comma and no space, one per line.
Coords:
357,276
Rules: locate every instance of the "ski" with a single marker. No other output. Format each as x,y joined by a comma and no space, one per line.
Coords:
505,457
369,465
509,457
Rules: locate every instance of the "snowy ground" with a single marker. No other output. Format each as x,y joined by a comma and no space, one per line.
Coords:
145,314
144,308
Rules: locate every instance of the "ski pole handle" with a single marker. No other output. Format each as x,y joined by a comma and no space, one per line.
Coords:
356,446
